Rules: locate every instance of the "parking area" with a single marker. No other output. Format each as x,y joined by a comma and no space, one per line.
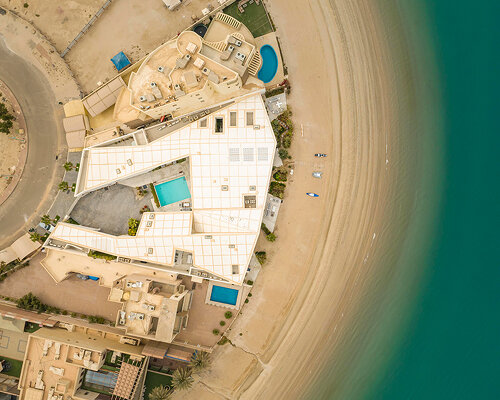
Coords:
110,208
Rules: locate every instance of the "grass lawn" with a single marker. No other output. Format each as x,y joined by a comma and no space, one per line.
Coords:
153,380
30,327
15,366
254,18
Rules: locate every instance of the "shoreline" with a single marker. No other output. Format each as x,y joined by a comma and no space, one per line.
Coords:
308,297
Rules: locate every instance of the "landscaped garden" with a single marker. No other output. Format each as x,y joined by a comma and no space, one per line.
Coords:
11,367
254,18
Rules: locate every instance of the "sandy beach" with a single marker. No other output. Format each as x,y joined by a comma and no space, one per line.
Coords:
322,262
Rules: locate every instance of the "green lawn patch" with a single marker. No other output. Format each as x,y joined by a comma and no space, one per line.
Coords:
15,367
153,380
254,18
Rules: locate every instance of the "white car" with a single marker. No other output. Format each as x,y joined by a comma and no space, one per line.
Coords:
317,174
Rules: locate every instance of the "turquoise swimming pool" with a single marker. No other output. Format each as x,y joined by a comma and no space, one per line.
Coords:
172,191
269,64
225,295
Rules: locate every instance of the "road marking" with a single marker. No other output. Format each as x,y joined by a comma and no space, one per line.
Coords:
302,130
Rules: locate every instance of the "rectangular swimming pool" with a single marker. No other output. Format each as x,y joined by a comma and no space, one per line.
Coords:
172,191
225,295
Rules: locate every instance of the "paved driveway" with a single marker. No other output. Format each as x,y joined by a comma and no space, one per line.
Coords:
38,185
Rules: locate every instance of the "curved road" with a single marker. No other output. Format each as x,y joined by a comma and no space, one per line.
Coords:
38,184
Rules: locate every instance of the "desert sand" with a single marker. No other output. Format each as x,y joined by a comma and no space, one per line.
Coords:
322,261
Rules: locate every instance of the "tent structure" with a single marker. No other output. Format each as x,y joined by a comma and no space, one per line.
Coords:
121,61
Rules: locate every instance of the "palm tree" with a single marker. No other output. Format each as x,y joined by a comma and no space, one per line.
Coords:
200,360
46,220
35,237
63,185
68,166
160,393
182,379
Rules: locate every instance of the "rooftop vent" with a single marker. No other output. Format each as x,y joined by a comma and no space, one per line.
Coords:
129,161
149,224
142,98
224,188
161,69
152,84
252,188
231,246
118,171
150,250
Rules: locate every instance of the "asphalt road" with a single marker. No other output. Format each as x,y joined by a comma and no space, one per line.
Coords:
38,185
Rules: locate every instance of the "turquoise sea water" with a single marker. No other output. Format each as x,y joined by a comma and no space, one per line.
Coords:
430,325
452,347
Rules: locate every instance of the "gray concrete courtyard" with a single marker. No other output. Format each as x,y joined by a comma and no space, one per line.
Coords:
110,208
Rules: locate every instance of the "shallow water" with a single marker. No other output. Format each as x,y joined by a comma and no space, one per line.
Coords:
430,325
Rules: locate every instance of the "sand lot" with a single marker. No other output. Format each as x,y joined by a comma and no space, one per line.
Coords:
10,148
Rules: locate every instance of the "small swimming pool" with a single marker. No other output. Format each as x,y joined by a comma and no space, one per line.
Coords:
200,29
172,191
225,295
269,64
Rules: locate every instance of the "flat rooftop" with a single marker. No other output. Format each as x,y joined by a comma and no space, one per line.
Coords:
230,154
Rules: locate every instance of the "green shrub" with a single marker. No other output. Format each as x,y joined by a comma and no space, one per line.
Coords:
216,332
246,300
249,294
97,254
277,189
228,314
222,323
261,256
264,228
155,196
286,141
274,92
280,175
223,340
283,153
249,282
133,225
271,237
31,302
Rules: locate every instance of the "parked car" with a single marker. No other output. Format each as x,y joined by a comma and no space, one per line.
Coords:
82,277
317,174
312,194
47,227
320,155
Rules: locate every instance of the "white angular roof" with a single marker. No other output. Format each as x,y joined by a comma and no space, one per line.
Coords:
220,232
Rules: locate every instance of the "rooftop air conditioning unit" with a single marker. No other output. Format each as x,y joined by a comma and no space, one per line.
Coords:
238,43
152,84
161,69
142,98
151,307
140,316
187,57
177,86
122,322
205,70
230,47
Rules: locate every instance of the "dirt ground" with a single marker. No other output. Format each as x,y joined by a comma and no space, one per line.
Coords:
59,21
10,148
73,294
148,24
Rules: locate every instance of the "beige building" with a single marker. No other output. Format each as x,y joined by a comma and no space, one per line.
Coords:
81,363
182,76
152,309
